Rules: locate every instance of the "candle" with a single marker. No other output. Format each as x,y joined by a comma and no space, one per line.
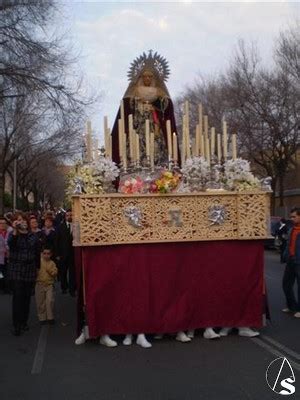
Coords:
124,148
89,155
175,148
202,147
152,150
122,116
207,150
200,111
197,144
219,151
234,148
169,139
133,138
109,143
147,127
137,146
183,144
120,139
131,142
193,147
96,154
224,139
212,143
206,126
187,130
106,144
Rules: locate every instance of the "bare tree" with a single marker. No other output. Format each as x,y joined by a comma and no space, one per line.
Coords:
209,91
261,104
41,105
264,108
287,51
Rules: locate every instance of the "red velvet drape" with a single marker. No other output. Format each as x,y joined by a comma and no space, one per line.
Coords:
168,287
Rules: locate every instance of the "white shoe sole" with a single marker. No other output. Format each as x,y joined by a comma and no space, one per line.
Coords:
249,335
209,336
108,344
144,345
80,340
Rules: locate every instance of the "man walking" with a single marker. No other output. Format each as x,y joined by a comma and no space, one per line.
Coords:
292,269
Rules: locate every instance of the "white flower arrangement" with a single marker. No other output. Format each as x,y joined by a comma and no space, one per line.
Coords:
238,176
196,168
106,168
81,180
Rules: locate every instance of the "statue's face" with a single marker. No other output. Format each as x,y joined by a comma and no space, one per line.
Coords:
147,77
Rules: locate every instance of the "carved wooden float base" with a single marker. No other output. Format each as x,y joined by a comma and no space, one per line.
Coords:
151,218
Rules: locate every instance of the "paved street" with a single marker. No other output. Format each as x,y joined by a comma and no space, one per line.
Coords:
45,364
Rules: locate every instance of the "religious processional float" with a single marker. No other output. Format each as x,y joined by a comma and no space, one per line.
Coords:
143,190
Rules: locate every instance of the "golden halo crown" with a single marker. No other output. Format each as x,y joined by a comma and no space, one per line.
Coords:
152,62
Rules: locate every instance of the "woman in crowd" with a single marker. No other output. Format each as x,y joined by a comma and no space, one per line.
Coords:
24,260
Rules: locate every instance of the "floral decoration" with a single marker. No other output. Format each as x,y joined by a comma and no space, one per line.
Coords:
80,179
195,168
106,168
166,183
131,185
238,176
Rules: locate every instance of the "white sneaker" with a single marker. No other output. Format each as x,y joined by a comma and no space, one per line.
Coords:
128,340
142,341
105,340
159,336
209,333
1,275
286,310
224,331
297,314
81,339
191,334
86,331
247,332
182,337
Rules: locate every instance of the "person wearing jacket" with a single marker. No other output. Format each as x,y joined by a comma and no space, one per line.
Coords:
292,269
22,269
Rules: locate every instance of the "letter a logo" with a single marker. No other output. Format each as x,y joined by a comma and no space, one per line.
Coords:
280,376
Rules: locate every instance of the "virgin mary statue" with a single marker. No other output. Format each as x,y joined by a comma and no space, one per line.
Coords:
147,98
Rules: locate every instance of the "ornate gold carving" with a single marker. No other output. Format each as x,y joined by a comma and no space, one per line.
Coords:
170,218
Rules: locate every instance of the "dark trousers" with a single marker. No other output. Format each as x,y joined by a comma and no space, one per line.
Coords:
282,249
67,267
4,283
21,302
291,274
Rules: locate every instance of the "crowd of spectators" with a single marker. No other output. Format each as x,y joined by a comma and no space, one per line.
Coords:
35,250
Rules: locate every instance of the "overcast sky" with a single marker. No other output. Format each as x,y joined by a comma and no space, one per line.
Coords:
195,37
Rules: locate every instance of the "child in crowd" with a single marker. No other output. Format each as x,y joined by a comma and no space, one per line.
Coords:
44,289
